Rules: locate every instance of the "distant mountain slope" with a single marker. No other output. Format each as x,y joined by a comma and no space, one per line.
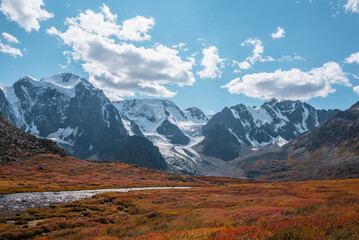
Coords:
194,144
14,142
275,122
80,118
331,150
170,128
220,142
342,131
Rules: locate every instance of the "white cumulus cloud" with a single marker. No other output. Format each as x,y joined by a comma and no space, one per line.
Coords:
121,68
352,6
293,84
10,38
27,13
5,48
356,89
279,34
179,46
135,29
212,63
257,54
353,58
241,65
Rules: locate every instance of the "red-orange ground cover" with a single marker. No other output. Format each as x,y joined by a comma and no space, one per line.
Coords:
73,174
294,210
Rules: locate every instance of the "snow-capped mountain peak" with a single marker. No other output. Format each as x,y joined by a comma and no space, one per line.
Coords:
64,80
276,121
64,83
150,113
196,115
79,117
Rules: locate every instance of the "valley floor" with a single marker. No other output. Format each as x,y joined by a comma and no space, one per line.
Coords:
47,172
218,208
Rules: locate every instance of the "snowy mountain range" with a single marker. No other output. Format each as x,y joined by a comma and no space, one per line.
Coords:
275,122
152,133
241,132
80,118
192,143
330,151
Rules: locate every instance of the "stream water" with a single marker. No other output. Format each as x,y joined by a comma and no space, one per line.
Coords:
21,201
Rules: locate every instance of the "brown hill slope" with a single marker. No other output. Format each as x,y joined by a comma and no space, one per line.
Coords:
14,142
329,151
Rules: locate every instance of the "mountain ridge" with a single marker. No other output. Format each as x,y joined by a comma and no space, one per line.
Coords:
68,109
80,118
203,152
275,122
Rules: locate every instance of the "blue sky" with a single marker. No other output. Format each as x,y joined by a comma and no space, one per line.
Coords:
232,51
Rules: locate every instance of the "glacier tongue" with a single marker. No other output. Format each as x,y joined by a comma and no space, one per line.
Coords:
150,114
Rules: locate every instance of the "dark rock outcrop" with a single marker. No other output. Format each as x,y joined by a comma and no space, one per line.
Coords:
221,143
172,133
14,142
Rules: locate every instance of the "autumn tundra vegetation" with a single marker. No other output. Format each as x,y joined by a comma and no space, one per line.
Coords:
215,208
179,120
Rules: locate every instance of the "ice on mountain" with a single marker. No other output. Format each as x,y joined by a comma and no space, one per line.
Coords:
259,115
149,114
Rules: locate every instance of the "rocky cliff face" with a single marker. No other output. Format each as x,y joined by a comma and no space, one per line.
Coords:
80,118
221,143
14,142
